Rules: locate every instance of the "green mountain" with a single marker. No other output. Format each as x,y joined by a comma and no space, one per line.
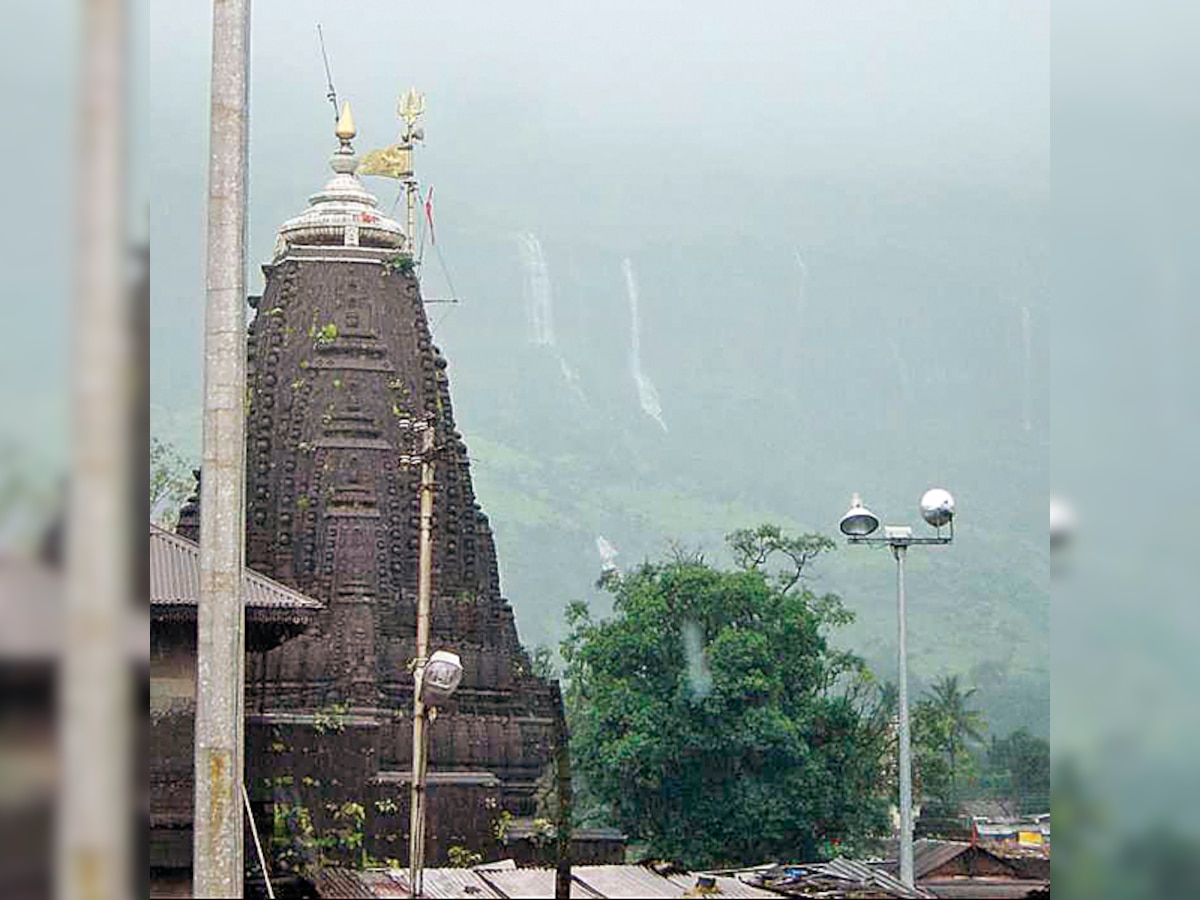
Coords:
889,343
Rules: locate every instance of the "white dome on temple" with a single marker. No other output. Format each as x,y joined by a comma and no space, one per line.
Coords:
343,213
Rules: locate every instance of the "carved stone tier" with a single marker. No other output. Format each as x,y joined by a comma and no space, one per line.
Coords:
341,367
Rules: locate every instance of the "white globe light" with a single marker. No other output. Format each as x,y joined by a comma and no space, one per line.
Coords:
442,674
937,507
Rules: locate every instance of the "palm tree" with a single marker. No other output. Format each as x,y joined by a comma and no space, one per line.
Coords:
959,723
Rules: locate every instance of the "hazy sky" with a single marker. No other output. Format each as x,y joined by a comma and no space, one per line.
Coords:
611,123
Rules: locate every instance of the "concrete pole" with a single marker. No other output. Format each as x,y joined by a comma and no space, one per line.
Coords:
906,823
93,842
220,645
416,831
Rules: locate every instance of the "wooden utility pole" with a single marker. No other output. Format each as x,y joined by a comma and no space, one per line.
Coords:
416,834
562,765
220,634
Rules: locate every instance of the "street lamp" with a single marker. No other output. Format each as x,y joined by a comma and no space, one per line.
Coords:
1062,523
859,524
435,680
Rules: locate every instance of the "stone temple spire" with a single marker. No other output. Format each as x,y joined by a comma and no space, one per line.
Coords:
341,366
342,213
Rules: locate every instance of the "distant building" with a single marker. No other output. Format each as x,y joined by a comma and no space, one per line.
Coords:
274,613
342,374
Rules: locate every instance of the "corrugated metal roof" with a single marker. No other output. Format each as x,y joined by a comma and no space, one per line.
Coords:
383,886
839,874
448,884
727,886
625,881
533,884
175,578
341,884
928,854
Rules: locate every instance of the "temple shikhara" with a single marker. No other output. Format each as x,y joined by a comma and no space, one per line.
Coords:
342,375
342,368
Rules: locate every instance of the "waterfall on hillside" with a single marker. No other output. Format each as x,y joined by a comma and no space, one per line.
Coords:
1027,384
608,554
647,394
571,377
539,298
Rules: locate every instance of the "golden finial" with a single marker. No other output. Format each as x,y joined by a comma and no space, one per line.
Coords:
345,124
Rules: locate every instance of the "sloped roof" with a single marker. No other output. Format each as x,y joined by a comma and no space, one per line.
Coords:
445,884
625,881
492,882
530,884
838,876
31,608
727,886
175,579
930,855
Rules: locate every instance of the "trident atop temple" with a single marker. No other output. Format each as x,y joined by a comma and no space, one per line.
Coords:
396,161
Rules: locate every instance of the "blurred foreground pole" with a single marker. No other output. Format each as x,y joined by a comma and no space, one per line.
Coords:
93,846
220,638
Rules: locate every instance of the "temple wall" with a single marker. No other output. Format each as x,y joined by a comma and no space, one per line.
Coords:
341,365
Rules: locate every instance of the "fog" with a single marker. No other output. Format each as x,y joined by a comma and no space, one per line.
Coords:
717,266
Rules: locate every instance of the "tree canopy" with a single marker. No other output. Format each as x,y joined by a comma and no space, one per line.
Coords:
712,720
945,722
171,481
1025,758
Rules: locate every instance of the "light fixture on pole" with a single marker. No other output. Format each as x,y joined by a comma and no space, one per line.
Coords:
434,682
442,674
859,524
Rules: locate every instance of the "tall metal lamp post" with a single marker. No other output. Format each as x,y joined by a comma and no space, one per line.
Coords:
859,524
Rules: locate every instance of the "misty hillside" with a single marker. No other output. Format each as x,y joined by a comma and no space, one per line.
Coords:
777,376
716,269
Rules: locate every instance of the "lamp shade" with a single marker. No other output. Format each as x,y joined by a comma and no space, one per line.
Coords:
859,521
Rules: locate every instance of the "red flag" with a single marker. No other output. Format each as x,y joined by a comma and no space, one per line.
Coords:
429,214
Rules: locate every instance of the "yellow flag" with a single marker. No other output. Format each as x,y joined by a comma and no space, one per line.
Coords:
390,162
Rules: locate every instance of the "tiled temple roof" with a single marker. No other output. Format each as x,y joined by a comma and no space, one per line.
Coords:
175,579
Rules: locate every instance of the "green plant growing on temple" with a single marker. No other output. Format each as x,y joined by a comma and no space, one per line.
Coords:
401,263
386,807
463,858
710,716
331,719
501,824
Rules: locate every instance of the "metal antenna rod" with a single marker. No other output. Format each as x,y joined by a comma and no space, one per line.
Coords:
331,96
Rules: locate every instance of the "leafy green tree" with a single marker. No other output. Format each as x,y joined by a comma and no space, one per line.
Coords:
541,660
710,717
945,723
1026,761
170,483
